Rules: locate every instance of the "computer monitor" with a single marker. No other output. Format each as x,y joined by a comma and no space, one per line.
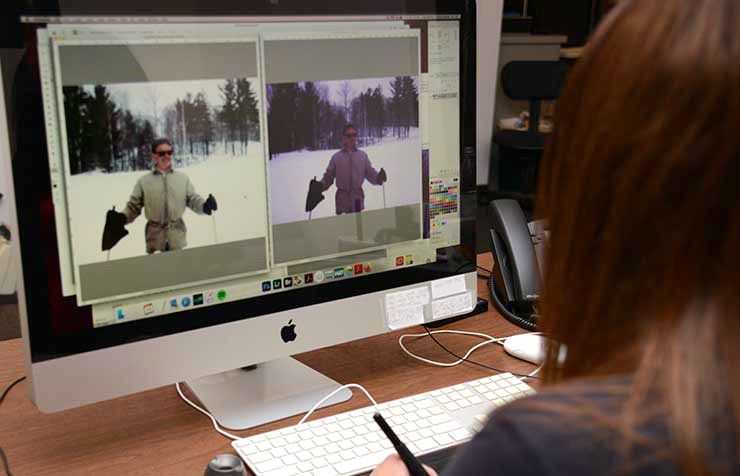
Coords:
201,189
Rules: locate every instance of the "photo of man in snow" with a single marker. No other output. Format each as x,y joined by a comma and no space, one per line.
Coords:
355,144
349,167
164,194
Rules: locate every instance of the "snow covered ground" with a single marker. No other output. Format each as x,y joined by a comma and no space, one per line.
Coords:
290,174
236,182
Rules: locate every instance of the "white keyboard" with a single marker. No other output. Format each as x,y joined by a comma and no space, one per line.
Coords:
351,443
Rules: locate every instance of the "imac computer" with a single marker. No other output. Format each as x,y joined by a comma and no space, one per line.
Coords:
205,186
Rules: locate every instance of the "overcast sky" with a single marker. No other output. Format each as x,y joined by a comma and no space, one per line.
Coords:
146,98
358,86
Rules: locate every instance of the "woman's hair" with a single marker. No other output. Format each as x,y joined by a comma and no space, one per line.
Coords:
641,187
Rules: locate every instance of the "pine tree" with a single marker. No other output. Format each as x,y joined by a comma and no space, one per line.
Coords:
228,114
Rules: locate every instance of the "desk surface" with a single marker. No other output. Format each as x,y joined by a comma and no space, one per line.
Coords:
155,433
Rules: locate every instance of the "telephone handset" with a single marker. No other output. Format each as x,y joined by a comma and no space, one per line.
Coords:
517,248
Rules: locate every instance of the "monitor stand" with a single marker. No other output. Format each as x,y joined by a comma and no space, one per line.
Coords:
241,399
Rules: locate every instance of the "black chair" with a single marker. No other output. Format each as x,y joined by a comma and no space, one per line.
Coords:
520,151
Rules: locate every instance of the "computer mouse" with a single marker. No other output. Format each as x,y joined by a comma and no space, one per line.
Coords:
226,465
529,347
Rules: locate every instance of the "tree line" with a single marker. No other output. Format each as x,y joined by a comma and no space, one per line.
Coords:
103,135
303,116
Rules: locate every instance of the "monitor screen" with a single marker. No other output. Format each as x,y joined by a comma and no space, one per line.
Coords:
177,172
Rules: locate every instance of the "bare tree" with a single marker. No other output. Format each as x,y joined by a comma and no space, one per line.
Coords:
345,91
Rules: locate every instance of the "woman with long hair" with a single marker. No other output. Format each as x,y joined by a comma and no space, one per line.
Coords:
641,187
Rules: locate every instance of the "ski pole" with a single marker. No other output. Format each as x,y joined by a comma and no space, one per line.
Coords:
215,230
383,194
107,256
309,215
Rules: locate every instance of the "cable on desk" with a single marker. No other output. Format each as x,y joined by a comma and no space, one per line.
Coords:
3,456
474,362
349,385
213,420
10,387
6,465
489,340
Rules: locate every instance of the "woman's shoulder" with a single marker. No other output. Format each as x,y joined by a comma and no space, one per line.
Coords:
568,429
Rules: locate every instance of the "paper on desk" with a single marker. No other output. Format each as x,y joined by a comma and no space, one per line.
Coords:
406,308
450,306
448,286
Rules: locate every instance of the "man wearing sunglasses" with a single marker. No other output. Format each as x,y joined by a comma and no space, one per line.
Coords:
350,167
164,194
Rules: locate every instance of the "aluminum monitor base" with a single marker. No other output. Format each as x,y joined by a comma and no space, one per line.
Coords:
242,399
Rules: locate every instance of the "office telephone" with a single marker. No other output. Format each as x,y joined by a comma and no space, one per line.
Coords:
518,251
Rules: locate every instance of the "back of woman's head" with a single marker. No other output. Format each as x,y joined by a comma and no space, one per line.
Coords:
641,185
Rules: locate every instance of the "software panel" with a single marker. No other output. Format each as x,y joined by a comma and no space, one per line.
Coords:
201,163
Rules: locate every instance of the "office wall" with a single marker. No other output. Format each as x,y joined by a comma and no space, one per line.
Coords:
489,41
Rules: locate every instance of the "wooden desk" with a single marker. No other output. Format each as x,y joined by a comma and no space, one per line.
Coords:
155,433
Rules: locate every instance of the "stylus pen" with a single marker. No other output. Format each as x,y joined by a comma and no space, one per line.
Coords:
412,464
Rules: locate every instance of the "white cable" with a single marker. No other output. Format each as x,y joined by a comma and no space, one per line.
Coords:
530,375
489,340
215,424
349,385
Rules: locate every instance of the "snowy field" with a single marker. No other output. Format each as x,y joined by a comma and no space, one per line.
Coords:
290,174
236,182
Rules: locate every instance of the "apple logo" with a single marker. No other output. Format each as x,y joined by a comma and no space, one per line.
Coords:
288,332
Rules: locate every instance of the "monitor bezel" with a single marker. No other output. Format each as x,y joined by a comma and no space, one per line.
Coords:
30,182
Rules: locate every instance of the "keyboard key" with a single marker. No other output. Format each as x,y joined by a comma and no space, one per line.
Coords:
436,410
293,448
334,437
289,460
426,444
306,445
361,451
319,462
397,420
278,452
460,434
332,448
264,446
333,458
443,440
444,399
284,471
437,419
345,445
327,471
359,441
466,393
347,434
445,427
426,433
304,467
452,406
475,400
269,465
318,451
304,456
361,430
347,455
292,438
426,403
374,447
320,431
333,428
364,462
259,458
321,441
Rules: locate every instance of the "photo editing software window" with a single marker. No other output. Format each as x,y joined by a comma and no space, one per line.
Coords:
200,161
